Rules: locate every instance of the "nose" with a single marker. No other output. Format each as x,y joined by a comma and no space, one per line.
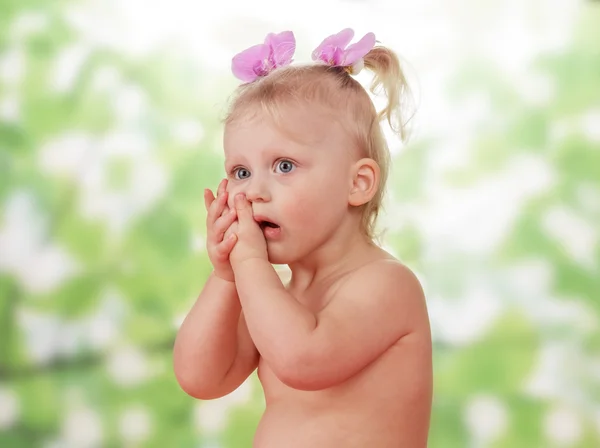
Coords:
257,190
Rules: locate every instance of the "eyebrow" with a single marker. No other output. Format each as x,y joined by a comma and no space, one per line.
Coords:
229,165
272,152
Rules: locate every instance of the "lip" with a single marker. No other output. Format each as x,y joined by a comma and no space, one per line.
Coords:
270,233
261,218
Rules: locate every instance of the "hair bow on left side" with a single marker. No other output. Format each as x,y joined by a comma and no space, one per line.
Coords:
259,60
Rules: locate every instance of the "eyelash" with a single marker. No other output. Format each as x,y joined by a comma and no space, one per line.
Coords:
237,169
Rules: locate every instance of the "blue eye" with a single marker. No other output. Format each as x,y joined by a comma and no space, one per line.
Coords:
241,173
285,166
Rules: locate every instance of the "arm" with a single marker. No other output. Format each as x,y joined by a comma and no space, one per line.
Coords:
213,352
371,311
278,323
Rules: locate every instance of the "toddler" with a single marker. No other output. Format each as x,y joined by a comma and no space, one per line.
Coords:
343,349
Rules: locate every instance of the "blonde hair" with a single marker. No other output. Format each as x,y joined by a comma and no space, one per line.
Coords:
347,101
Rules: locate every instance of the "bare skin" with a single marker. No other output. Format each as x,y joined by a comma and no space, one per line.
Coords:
386,404
343,350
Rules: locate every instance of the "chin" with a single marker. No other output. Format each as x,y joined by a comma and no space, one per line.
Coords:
279,256
279,259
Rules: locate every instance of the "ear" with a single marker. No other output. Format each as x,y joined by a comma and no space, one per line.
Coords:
365,181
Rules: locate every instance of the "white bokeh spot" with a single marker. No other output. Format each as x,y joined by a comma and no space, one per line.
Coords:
135,424
68,66
487,418
211,417
462,321
128,366
590,125
39,266
85,159
10,408
563,426
82,428
188,132
575,235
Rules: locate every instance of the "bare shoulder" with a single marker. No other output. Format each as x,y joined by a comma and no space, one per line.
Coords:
392,287
391,272
386,278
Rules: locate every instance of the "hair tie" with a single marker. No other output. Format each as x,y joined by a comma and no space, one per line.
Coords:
333,51
278,51
260,60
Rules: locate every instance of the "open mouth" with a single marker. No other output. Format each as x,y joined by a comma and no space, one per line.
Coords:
267,224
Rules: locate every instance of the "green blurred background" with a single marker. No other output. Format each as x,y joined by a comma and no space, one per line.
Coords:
109,131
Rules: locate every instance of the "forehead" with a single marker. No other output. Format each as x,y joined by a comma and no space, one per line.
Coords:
292,128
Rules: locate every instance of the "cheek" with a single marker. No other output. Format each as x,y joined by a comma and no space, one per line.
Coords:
300,208
315,205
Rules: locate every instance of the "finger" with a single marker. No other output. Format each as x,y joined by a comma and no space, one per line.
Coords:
217,207
222,191
243,208
209,197
225,247
223,223
226,207
233,228
225,184
222,187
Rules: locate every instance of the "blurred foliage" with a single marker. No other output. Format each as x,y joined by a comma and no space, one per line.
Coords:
92,371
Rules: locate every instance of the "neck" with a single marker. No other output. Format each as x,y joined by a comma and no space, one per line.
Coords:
347,249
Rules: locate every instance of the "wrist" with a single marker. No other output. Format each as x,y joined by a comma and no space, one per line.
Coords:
227,278
251,261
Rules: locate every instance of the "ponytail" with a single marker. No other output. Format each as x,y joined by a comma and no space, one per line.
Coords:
385,65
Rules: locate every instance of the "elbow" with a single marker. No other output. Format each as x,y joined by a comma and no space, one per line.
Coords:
193,384
191,389
197,389
184,377
189,384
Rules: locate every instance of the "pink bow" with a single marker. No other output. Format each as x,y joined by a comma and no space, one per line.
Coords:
333,50
260,60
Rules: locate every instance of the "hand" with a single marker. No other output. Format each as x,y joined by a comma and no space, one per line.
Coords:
219,238
251,243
